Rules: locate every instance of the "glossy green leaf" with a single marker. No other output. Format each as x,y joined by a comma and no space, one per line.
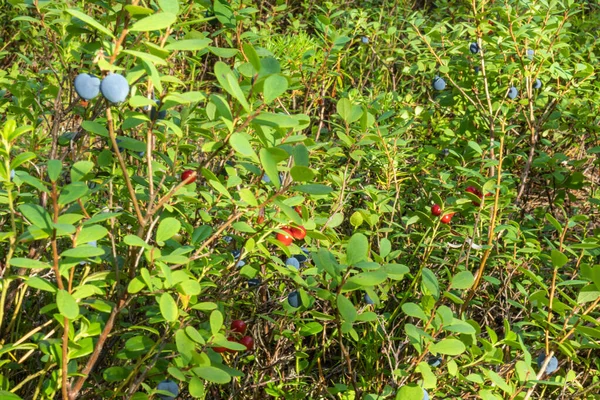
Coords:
67,305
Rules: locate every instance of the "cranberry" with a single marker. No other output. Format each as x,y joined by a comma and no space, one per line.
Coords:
238,326
285,238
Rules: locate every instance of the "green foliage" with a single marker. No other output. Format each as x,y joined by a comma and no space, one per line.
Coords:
116,276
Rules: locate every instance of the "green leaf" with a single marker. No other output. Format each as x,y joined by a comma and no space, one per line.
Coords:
72,192
150,58
170,6
91,233
196,388
216,321
463,280
29,263
247,196
215,183
90,21
558,259
41,284
357,249
301,155
414,310
37,215
370,278
269,163
54,169
430,282
314,188
348,111
22,158
356,219
230,84
168,307
188,45
274,86
136,241
252,56
154,22
240,143
80,169
83,251
67,305
448,346
212,374
587,294
346,309
410,392
4,395
500,382
302,174
115,374
167,228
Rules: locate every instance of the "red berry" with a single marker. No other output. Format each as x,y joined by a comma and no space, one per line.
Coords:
187,173
220,349
286,238
298,233
238,326
447,218
436,210
298,209
471,189
260,219
248,342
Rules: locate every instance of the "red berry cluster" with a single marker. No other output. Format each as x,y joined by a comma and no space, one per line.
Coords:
238,328
477,193
292,232
436,210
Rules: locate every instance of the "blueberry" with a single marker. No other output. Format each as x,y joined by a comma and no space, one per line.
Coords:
445,152
552,364
240,264
266,179
162,114
293,262
114,88
294,299
477,69
537,84
474,48
227,239
434,361
87,86
368,299
93,243
12,174
253,282
365,40
300,257
513,92
236,253
169,386
439,83
425,395
530,54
